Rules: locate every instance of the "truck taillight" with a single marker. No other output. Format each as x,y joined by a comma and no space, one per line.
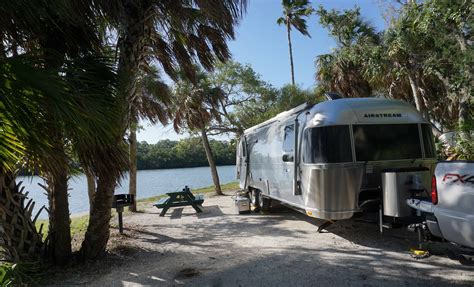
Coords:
434,191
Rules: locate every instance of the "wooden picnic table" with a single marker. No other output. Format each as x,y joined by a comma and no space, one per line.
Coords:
180,198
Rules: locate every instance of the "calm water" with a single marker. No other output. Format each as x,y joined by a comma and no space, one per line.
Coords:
149,183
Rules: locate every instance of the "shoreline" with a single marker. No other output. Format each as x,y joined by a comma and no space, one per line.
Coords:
79,221
150,183
126,172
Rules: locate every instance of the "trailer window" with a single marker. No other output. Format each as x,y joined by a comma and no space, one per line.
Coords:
289,138
386,142
428,141
330,144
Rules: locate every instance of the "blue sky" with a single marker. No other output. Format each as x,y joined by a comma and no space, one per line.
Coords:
262,43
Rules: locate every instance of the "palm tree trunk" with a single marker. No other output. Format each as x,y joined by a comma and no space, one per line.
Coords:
463,120
465,93
132,140
90,187
415,91
288,31
59,220
59,244
132,52
212,163
98,230
463,114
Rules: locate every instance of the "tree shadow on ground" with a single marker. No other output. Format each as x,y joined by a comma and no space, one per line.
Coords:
295,266
212,251
230,227
227,228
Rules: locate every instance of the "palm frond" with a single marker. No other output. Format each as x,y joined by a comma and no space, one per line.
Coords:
293,13
95,129
154,100
300,25
281,21
195,104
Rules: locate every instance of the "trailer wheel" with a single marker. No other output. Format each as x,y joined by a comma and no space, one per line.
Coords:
264,202
254,195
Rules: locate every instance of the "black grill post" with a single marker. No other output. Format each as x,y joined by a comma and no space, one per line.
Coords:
119,211
120,201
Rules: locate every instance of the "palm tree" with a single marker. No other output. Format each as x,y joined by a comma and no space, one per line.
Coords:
293,13
19,238
343,70
390,64
34,93
195,106
338,74
140,42
175,34
58,36
405,47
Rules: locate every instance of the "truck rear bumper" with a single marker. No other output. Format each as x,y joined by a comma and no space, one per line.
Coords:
433,226
421,205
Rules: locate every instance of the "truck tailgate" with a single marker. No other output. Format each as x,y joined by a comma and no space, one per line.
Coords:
455,207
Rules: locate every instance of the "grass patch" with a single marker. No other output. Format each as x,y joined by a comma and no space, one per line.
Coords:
78,225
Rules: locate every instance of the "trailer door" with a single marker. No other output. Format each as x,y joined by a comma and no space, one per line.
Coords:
241,163
286,180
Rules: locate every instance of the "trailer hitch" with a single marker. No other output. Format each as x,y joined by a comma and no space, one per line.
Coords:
420,251
324,225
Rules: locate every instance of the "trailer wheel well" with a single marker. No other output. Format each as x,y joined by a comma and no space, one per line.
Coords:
264,202
254,193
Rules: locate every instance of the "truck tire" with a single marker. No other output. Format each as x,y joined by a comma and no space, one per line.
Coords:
254,199
466,260
263,202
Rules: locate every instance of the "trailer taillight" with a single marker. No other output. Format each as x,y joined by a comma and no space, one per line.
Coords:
434,191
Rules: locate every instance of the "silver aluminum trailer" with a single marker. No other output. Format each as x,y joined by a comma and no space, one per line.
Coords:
340,157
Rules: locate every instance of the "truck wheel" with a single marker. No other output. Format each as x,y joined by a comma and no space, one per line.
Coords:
466,260
254,195
264,202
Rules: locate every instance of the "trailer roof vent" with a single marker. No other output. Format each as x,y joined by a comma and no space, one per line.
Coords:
332,96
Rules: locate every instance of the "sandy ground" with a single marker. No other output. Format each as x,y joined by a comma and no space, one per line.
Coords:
281,248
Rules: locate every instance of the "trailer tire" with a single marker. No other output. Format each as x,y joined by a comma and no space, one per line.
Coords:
254,196
264,202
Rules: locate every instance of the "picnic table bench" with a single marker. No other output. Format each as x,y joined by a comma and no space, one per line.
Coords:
180,198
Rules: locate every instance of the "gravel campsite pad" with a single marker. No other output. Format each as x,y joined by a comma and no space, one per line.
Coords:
280,248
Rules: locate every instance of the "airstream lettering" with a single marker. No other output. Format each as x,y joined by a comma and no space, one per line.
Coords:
338,158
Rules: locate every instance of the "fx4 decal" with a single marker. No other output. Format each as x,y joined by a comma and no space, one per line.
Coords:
455,177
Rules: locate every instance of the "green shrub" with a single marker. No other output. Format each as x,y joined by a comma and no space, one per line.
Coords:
19,274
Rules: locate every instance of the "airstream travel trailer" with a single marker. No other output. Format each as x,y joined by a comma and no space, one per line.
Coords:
338,158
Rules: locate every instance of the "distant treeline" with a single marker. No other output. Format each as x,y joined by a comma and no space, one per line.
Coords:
183,153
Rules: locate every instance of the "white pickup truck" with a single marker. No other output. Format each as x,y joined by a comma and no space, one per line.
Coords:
450,213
